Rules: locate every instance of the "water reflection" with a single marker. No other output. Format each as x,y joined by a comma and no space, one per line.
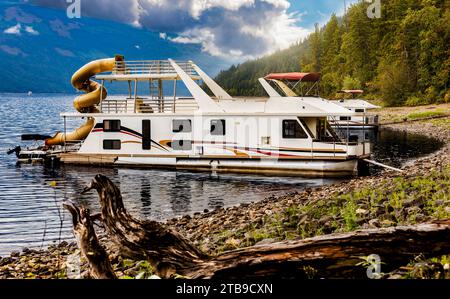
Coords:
146,193
393,147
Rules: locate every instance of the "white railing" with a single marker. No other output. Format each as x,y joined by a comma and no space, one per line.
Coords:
166,105
150,67
149,106
115,106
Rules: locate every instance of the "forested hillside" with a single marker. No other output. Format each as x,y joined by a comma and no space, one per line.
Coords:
402,57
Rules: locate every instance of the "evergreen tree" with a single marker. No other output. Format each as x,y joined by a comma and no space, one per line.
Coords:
404,54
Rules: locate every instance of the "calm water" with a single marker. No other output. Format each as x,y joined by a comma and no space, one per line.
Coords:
30,209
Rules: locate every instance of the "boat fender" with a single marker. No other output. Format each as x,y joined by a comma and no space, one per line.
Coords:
214,164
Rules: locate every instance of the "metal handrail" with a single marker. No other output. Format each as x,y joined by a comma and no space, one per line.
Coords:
114,106
168,105
148,105
151,67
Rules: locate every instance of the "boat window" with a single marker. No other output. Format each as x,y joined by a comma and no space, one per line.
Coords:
181,125
292,129
359,110
182,145
112,144
344,118
218,127
111,125
146,135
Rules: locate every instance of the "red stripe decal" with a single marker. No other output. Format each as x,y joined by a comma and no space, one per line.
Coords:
124,132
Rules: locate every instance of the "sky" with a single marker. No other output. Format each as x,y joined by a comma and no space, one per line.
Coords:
232,29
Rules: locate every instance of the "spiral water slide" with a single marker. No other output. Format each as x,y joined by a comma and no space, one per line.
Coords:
86,102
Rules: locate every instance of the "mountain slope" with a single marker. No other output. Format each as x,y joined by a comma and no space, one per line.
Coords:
41,47
242,79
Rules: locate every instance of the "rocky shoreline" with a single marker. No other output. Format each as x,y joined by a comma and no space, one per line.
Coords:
247,224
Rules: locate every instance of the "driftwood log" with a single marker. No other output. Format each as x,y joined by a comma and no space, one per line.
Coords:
330,256
95,254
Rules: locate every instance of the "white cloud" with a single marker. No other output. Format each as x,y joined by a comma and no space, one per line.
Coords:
31,30
235,29
17,30
14,29
232,29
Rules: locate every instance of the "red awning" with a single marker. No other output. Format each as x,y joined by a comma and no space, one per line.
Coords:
353,91
304,77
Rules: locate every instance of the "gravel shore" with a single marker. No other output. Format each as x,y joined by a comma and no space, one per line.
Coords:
205,229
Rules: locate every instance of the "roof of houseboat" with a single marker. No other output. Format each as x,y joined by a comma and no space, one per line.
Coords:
355,103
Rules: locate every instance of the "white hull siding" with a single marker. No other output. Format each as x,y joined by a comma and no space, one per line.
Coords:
243,138
312,168
305,168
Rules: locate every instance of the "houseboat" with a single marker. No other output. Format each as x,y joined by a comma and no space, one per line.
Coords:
307,85
206,130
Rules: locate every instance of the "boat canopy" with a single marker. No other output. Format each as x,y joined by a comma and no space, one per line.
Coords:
304,77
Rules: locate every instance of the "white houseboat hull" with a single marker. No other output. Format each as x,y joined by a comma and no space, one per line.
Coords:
264,166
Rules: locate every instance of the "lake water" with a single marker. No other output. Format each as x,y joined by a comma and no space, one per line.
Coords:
30,209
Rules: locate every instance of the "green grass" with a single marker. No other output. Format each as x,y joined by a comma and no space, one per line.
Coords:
426,114
398,201
442,122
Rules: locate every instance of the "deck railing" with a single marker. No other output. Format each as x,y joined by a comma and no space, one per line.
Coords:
115,106
166,105
150,67
149,105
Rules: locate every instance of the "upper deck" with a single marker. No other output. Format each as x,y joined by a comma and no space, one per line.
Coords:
162,96
145,70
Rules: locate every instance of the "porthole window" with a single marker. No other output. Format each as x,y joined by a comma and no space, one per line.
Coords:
112,144
111,125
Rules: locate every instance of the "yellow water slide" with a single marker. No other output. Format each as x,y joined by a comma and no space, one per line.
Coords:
86,102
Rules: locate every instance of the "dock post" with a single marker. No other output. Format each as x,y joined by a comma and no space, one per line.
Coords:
135,94
174,94
65,132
